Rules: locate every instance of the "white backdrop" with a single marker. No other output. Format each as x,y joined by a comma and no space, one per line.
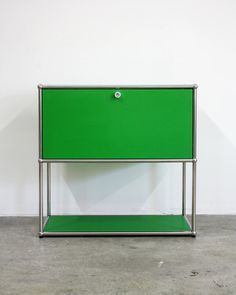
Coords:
117,42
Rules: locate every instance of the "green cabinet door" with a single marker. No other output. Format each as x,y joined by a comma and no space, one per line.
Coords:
93,124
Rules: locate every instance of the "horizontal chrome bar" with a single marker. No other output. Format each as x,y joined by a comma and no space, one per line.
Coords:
76,234
109,215
115,86
116,160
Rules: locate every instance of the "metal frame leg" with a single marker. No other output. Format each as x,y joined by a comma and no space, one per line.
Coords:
194,172
40,199
48,189
184,189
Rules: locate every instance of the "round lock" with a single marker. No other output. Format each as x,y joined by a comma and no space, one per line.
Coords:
117,94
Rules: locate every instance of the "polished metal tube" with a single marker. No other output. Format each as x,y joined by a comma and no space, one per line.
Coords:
194,164
194,86
195,123
40,121
184,189
40,198
48,189
81,234
194,176
116,160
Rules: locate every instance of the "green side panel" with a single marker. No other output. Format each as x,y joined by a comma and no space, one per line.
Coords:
93,124
117,223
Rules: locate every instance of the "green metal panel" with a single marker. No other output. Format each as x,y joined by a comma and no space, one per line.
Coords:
117,223
93,124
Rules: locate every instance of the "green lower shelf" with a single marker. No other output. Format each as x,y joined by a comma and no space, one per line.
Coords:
117,223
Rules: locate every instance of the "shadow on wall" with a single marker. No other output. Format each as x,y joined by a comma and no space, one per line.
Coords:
216,185
111,187
18,168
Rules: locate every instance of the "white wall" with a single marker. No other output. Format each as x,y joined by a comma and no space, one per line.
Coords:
117,42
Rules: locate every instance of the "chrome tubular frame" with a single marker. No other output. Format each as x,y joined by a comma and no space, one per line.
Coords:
184,86
117,161
49,189
184,163
184,189
40,198
102,234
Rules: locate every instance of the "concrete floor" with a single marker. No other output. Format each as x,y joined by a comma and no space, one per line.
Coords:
132,265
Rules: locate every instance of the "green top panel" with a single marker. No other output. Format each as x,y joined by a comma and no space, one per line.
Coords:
141,124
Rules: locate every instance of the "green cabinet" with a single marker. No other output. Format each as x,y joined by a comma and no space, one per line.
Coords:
117,124
141,124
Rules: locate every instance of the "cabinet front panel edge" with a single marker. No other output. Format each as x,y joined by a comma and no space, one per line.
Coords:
40,86
128,159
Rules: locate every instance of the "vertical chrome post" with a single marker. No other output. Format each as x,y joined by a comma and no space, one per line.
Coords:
195,122
194,176
184,189
194,163
40,198
40,163
48,189
40,120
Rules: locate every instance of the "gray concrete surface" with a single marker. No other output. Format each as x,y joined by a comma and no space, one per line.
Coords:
129,266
